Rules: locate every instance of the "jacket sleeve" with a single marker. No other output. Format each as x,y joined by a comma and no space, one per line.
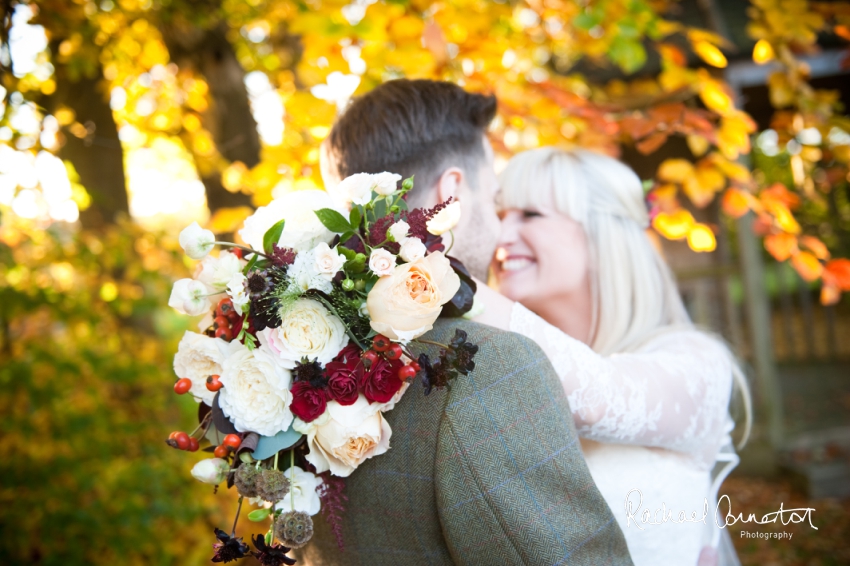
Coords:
512,485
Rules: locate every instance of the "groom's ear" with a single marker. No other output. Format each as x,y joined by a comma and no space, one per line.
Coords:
450,183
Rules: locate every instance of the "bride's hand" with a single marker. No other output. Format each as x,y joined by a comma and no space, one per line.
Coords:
497,307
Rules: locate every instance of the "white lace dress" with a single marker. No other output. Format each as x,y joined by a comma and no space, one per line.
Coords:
655,420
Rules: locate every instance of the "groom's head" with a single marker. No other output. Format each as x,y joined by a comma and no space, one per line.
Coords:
434,131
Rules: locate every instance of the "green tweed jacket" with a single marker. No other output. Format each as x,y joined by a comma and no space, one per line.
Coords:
489,472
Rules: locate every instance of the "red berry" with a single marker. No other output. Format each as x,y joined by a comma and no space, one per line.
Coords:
415,365
237,252
370,357
222,322
182,440
173,434
193,444
224,307
213,383
183,385
220,451
406,372
381,343
224,332
394,352
232,440
233,317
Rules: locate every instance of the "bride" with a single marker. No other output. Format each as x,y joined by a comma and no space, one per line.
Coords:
648,391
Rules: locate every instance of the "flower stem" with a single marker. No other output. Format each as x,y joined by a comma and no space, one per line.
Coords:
243,248
452,244
238,510
292,478
423,341
276,454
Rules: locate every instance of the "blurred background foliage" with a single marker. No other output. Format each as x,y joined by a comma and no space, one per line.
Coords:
123,120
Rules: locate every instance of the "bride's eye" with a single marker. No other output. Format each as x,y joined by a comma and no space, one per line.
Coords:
530,214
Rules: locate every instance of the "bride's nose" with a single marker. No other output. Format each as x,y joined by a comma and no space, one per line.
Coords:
509,233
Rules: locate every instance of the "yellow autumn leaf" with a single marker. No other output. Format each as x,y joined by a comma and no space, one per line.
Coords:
673,225
701,238
675,170
763,52
710,54
782,216
807,265
713,96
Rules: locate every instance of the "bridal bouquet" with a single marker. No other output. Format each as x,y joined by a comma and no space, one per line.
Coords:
307,339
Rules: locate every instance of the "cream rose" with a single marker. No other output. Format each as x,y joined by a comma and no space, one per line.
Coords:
445,220
412,249
406,303
328,261
386,183
256,395
399,230
353,434
357,188
216,272
303,229
198,357
308,330
381,262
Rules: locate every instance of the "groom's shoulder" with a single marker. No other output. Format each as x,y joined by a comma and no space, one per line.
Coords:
502,355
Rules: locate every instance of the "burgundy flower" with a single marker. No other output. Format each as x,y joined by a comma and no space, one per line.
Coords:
381,382
228,548
344,374
308,403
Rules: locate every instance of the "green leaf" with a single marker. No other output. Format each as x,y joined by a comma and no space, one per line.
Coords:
333,220
346,236
585,21
250,264
258,515
272,236
349,254
630,55
268,445
380,209
354,217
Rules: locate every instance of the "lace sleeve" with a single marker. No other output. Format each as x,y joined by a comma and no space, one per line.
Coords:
673,393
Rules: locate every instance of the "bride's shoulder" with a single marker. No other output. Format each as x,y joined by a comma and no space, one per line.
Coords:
688,340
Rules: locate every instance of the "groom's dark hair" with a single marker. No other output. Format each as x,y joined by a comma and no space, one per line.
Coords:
413,127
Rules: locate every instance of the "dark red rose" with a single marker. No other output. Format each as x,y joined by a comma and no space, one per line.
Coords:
381,382
308,402
344,375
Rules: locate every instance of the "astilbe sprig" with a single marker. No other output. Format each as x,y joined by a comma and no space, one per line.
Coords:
333,498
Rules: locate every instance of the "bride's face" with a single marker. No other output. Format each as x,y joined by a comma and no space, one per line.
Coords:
541,255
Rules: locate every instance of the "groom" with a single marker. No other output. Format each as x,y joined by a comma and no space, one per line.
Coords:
489,472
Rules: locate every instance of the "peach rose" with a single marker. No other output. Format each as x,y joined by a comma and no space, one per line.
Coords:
352,434
405,304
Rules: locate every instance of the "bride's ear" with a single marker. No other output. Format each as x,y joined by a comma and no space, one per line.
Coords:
450,183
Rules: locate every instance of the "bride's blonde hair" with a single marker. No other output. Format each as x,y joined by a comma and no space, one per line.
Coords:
634,294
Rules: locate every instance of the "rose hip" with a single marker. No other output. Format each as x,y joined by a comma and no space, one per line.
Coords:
224,307
224,333
220,451
394,352
193,444
232,440
182,440
213,383
183,385
370,357
381,343
406,372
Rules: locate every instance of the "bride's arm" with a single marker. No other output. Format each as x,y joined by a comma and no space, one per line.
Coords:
673,394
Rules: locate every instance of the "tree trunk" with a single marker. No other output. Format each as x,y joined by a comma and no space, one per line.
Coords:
228,118
98,157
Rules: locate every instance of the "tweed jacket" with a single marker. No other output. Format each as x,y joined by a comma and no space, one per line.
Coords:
488,472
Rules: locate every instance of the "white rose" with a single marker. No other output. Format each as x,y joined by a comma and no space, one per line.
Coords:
353,434
381,262
357,188
386,183
255,396
189,297
303,490
399,230
308,330
212,470
412,249
302,230
327,261
198,357
445,220
216,272
196,241
303,274
236,291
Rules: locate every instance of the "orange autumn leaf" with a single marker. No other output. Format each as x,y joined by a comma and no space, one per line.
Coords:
735,203
837,272
815,246
780,193
701,238
829,294
781,245
673,225
782,216
763,52
807,265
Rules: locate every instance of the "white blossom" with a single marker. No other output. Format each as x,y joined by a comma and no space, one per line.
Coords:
189,297
399,230
327,261
445,220
386,183
236,291
212,470
412,249
381,262
196,241
216,271
303,492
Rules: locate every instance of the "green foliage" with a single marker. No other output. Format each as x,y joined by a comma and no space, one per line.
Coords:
85,369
